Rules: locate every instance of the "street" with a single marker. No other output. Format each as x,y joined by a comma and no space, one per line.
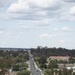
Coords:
34,70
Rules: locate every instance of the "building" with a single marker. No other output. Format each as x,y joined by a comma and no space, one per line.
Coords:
64,58
73,68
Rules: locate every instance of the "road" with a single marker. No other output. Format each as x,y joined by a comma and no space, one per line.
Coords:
34,70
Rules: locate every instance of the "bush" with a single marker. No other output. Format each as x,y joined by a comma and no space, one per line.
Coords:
16,68
25,72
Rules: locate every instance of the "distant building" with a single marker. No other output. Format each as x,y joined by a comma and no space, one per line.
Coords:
64,58
73,68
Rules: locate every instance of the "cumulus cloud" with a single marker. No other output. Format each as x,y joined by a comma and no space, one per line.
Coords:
26,6
55,10
33,9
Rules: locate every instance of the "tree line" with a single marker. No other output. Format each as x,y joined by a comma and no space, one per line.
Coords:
52,51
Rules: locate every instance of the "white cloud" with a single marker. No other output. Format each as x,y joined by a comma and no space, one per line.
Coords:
1,32
46,4
55,29
33,9
62,41
26,6
44,35
55,10
65,29
47,35
20,7
72,10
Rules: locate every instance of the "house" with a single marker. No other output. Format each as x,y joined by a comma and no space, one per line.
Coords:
64,58
73,68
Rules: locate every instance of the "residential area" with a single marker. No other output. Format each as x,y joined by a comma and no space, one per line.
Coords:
37,62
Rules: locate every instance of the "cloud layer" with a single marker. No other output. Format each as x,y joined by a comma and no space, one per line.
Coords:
34,9
40,9
4,2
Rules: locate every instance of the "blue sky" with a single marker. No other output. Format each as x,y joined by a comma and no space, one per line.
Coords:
32,23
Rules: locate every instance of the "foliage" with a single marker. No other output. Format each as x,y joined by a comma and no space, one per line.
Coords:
14,59
26,72
17,67
52,64
43,66
18,60
23,65
42,60
48,72
64,71
52,52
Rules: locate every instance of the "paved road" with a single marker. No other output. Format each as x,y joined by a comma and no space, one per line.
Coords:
34,70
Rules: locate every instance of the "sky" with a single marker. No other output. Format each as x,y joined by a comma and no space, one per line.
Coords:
32,23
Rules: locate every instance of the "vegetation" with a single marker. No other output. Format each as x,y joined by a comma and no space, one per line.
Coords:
64,71
15,60
50,67
25,72
53,64
45,51
20,66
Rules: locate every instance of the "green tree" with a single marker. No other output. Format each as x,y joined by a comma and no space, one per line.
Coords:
48,72
18,60
52,64
15,67
23,65
44,66
42,60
